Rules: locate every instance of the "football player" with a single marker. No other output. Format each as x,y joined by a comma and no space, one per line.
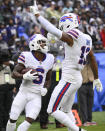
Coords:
33,83
78,46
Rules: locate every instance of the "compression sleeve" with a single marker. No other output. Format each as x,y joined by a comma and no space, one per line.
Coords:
49,27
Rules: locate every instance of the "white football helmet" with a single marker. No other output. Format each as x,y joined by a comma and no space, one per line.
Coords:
69,21
38,42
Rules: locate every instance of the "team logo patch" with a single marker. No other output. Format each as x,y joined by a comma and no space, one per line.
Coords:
64,18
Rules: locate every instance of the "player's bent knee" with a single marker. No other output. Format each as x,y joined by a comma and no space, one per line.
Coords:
14,116
33,113
49,110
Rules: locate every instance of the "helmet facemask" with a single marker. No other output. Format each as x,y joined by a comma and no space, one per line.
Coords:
43,45
38,43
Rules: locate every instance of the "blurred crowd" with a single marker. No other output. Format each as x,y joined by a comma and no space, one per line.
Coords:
17,24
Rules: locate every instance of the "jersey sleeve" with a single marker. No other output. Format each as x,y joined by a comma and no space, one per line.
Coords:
74,33
21,58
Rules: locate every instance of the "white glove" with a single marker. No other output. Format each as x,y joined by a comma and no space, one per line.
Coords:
43,91
34,9
30,76
98,85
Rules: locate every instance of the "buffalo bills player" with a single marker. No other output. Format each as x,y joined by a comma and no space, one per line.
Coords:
31,89
78,46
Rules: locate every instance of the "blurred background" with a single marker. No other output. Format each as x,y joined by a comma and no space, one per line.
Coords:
17,24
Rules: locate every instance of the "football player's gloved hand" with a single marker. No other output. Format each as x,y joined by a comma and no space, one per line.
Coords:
30,76
43,91
98,85
34,9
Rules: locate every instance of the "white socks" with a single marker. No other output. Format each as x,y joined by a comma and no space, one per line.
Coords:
71,116
24,126
10,126
83,130
64,119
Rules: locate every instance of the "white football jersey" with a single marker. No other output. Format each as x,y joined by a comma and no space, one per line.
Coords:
29,60
75,56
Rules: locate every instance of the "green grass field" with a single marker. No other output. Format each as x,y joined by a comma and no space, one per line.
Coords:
99,117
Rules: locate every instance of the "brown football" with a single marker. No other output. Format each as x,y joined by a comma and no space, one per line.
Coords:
27,69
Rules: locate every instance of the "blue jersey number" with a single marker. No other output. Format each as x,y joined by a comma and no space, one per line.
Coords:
40,77
84,51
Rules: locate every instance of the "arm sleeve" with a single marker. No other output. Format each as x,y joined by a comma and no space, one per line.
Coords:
49,27
74,34
21,58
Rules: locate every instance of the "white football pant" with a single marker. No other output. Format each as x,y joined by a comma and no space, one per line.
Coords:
61,102
29,101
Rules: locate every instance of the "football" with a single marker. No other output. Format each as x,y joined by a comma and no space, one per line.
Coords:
27,69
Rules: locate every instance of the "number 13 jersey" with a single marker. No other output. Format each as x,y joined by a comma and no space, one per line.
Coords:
75,56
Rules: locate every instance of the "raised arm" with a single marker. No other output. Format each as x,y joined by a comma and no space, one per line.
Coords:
51,28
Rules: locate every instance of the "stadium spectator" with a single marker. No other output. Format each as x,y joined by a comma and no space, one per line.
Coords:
26,18
50,12
68,7
16,18
59,10
41,10
78,6
3,31
22,33
87,4
86,96
7,85
60,3
21,15
35,30
3,44
102,33
6,9
93,31
11,29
